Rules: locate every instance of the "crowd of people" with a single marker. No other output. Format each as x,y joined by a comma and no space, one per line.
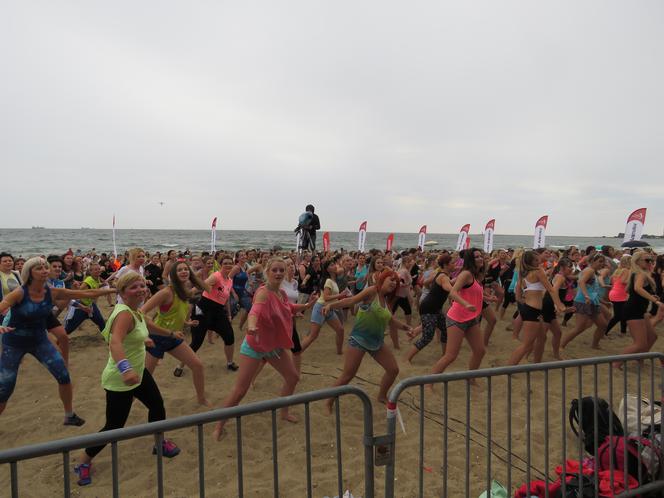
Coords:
444,295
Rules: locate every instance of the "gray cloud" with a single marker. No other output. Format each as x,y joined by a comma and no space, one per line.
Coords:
436,113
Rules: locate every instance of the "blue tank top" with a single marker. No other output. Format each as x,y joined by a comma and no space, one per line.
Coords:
593,288
240,283
29,320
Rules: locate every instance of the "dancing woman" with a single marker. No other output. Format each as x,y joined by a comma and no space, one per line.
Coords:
269,338
31,305
172,304
367,335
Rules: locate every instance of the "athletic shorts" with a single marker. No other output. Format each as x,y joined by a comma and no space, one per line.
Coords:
52,322
163,344
404,304
247,350
464,326
529,314
587,309
548,310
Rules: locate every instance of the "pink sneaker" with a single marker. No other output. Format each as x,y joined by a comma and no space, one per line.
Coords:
168,449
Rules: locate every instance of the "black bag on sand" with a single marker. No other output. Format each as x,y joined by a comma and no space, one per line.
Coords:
586,428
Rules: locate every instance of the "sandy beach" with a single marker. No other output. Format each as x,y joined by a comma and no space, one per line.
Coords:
34,414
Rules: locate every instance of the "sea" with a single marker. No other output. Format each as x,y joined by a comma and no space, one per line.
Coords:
42,241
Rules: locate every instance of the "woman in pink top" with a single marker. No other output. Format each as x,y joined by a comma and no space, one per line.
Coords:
463,317
618,293
269,338
217,312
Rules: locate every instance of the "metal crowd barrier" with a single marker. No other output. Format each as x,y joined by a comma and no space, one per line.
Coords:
451,425
465,423
65,446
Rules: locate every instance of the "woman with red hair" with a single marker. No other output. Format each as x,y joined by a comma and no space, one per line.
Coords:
372,318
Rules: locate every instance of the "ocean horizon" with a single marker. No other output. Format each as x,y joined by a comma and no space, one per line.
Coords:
32,241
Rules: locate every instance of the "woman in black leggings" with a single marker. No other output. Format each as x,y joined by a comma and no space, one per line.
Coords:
125,376
618,294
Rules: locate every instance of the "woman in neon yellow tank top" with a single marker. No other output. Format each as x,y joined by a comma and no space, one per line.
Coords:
173,310
125,376
368,331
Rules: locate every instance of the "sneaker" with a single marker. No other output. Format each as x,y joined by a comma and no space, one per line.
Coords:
232,367
74,420
168,449
83,473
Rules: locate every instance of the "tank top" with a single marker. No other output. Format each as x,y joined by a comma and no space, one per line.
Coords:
618,292
592,287
472,294
240,282
92,283
174,317
221,290
290,288
370,324
360,277
636,302
134,348
434,300
29,320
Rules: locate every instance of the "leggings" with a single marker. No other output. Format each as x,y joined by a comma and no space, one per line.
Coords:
78,316
429,324
118,405
215,317
508,297
618,316
43,350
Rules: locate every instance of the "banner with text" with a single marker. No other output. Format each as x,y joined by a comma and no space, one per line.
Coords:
635,222
463,237
421,238
540,232
362,237
488,236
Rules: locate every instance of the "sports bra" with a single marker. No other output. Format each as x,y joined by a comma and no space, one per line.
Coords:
533,286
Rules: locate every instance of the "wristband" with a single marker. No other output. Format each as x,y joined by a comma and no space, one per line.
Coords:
123,366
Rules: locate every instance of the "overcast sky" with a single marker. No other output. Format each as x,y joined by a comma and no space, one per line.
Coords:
399,113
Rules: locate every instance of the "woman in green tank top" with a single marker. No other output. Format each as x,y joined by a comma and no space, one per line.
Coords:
125,376
173,310
368,331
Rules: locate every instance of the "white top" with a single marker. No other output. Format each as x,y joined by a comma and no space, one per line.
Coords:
290,288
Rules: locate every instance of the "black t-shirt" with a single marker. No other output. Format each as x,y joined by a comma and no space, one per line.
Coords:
153,273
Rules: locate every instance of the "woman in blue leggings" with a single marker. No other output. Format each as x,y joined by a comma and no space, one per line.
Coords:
25,332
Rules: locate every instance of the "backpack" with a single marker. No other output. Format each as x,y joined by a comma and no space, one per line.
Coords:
651,457
586,428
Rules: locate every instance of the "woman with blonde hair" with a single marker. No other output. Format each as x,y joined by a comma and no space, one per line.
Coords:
25,332
125,376
269,338
641,292
618,293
